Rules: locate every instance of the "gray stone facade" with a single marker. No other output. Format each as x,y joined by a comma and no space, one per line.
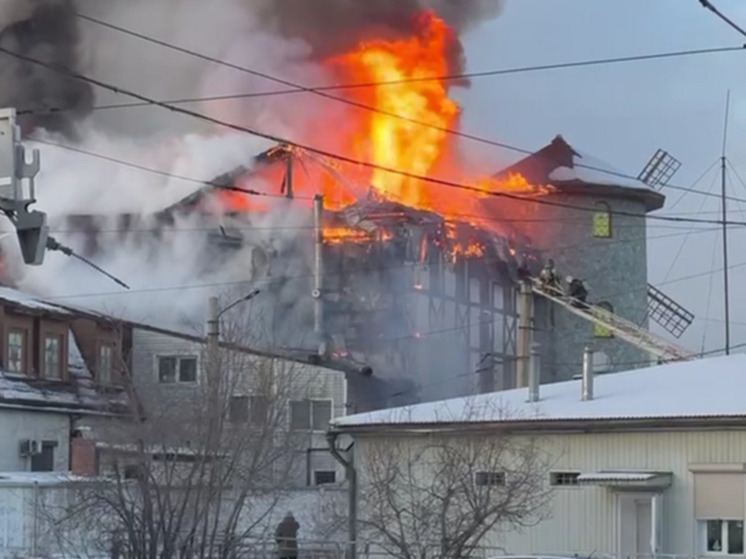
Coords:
615,270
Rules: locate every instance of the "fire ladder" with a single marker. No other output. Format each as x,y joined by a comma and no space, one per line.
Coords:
620,327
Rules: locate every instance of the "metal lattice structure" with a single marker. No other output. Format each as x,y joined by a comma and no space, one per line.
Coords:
621,328
674,318
659,169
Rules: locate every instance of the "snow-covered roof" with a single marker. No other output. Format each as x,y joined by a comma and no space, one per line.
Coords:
703,388
591,170
19,479
29,301
565,167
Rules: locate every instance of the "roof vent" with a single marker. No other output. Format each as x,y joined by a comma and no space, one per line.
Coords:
587,382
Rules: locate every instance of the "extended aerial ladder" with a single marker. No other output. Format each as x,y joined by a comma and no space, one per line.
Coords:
623,329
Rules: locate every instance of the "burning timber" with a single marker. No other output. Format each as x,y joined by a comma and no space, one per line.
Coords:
407,294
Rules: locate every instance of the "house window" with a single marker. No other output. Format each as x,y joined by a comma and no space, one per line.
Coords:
16,351
173,370
52,356
238,409
602,221
258,410
43,461
104,364
489,479
323,477
723,536
563,478
601,331
310,414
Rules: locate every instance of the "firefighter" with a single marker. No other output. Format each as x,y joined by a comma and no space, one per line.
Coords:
286,536
577,291
548,276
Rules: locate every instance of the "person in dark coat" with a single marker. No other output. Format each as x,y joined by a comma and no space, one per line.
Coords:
286,536
577,291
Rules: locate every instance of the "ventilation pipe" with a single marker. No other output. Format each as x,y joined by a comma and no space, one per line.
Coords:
534,374
587,382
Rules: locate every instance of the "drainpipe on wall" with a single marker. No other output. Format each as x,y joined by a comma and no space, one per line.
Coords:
349,467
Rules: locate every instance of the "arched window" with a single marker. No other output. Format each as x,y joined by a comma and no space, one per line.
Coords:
601,331
602,221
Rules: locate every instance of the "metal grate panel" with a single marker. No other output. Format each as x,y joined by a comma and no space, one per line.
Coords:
674,318
659,170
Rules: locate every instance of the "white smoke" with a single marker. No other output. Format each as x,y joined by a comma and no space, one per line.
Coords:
141,160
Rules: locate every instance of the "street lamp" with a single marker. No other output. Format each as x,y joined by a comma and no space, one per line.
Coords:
213,322
213,343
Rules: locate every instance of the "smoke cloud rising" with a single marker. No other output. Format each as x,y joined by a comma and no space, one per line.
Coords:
285,38
46,30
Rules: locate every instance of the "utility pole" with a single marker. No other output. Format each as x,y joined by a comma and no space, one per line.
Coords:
726,294
318,283
289,170
523,364
213,347
213,343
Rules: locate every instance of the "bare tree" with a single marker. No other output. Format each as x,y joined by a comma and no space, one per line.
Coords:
440,495
195,472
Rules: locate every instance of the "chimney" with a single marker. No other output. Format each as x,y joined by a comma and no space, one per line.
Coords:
83,457
534,374
587,382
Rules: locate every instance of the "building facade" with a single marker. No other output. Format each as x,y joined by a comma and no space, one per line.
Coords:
58,366
653,465
170,369
592,223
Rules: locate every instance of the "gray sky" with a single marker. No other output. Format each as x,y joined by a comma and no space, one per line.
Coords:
622,113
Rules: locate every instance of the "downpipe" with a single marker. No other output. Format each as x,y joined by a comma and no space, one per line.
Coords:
351,473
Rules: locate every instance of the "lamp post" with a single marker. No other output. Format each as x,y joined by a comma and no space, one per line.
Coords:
213,338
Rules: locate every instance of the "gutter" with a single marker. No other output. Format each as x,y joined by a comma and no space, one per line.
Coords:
331,439
65,411
703,423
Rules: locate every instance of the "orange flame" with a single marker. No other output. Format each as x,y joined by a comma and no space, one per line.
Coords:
402,143
408,130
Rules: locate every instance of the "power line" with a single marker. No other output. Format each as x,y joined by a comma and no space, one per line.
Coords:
308,276
321,91
350,160
257,193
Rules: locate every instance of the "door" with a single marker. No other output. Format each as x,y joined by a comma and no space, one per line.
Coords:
635,526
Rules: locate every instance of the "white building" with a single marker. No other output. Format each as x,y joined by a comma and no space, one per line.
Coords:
655,463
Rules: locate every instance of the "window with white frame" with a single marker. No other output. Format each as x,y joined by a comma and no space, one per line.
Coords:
104,363
53,356
177,369
16,351
310,415
722,537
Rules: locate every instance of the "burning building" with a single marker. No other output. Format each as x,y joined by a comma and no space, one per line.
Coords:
382,242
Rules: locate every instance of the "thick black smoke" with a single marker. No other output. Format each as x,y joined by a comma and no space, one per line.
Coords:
335,26
45,30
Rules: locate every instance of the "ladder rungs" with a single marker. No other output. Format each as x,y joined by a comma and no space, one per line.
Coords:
623,328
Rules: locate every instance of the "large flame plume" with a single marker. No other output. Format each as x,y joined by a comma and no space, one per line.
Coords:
402,121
